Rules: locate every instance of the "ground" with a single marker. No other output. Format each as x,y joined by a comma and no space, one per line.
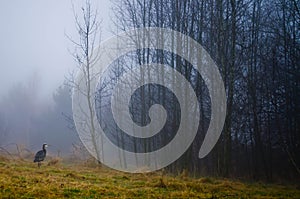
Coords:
22,179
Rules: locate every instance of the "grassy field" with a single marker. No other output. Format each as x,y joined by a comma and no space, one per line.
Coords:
22,179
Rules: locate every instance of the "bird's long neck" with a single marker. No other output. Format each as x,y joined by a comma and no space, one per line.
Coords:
44,149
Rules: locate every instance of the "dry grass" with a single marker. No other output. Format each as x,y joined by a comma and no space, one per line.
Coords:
23,179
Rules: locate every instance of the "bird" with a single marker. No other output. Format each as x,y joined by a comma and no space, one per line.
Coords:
40,155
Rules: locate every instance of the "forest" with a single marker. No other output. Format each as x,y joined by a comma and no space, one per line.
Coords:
256,47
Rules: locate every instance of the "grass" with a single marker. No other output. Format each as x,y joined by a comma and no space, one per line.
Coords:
22,179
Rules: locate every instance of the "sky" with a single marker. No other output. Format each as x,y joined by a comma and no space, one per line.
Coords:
33,41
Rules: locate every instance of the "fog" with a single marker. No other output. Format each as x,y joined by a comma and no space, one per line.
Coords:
35,59
33,40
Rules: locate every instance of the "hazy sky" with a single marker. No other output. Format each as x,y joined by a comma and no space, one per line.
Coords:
32,40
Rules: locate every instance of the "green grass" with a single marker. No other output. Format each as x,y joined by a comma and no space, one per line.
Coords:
22,179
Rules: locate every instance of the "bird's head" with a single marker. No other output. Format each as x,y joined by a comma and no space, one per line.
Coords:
45,145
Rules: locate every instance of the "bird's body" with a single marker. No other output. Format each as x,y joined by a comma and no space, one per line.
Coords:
40,155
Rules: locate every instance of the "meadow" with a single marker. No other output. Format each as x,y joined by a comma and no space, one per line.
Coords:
55,179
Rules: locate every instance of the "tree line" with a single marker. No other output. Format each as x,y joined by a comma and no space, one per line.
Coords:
256,45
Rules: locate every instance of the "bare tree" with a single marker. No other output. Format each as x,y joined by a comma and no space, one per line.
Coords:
87,24
256,47
4,128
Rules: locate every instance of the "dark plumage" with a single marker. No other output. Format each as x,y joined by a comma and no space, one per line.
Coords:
40,155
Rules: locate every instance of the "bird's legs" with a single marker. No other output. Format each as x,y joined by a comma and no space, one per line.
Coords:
39,164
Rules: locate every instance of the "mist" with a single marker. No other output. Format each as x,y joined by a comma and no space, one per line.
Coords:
254,44
36,59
